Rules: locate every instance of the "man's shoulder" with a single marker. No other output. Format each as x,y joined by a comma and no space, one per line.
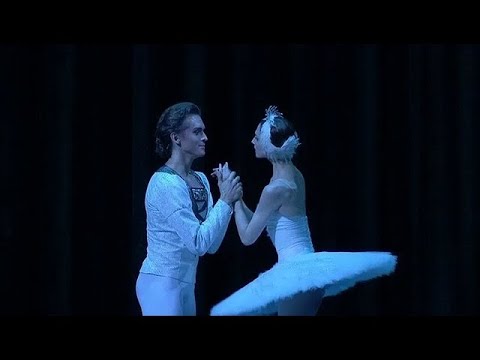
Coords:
164,182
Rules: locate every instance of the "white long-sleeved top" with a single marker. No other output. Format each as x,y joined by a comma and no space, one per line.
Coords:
175,237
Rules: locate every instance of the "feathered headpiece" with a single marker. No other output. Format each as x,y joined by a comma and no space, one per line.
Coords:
274,153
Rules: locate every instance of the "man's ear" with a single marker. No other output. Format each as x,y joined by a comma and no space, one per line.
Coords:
175,138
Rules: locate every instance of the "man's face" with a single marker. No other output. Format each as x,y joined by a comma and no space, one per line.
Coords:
193,137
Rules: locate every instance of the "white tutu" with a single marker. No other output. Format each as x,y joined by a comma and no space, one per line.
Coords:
332,271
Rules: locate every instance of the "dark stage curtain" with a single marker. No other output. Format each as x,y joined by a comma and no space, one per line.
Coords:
388,152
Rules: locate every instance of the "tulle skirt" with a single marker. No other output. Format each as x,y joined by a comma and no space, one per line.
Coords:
333,272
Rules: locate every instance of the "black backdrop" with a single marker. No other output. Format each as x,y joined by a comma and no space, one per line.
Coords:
388,152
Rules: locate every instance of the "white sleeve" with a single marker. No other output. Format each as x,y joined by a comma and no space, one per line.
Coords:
198,237
202,237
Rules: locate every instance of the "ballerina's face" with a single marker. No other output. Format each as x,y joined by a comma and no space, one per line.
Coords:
259,152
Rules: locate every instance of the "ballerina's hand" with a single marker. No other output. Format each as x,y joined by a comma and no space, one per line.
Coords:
218,173
221,172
